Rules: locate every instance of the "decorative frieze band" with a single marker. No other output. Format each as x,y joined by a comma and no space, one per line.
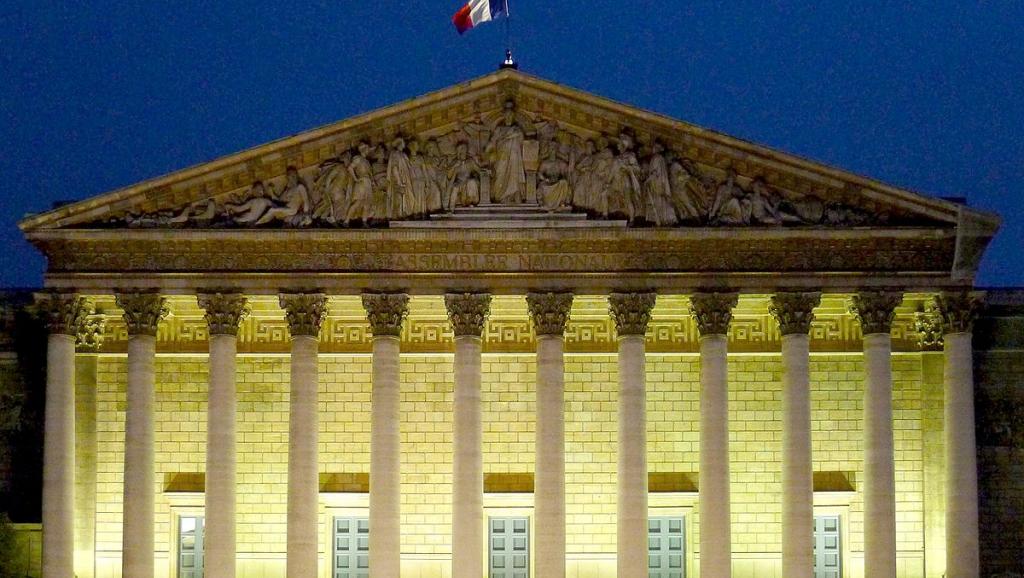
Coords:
386,312
224,311
63,313
549,312
304,312
143,311
713,311
794,311
875,310
468,312
959,310
631,312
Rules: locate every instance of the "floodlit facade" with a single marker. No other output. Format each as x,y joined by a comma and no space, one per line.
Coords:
512,330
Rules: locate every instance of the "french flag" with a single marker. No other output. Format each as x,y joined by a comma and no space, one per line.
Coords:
477,12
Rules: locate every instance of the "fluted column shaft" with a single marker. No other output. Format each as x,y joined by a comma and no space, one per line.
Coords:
468,314
305,313
142,313
385,313
875,311
224,311
713,312
794,311
959,310
550,313
632,313
64,313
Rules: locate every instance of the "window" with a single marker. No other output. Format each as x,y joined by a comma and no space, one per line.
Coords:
827,555
190,546
666,547
351,548
509,540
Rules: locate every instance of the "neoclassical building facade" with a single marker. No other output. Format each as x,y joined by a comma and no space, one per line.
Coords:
510,329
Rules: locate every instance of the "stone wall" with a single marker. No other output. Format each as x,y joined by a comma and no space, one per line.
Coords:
509,406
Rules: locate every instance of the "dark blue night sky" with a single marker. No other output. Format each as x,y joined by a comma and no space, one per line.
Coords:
926,95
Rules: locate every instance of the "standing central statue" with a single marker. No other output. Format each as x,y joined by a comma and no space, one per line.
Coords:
505,151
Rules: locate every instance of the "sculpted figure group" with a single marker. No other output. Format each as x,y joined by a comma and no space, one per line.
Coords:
508,158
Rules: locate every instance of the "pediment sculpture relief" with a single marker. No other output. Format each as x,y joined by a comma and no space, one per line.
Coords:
507,158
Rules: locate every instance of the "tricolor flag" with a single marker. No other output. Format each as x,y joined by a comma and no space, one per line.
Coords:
479,11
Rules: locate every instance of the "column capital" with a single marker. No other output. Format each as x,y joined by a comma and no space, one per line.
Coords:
224,310
631,311
794,310
143,310
928,324
386,312
959,310
713,311
63,312
875,310
89,338
305,312
468,312
549,312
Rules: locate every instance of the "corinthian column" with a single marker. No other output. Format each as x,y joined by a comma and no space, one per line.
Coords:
795,312
631,313
87,344
64,313
142,314
959,311
550,312
713,312
224,311
875,311
385,313
305,313
468,314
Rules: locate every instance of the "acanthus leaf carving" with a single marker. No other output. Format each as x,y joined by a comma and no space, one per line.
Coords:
143,311
386,312
631,312
959,310
549,312
713,311
223,311
468,312
875,310
794,311
304,312
63,312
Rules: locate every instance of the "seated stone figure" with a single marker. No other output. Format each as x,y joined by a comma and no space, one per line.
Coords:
253,208
296,210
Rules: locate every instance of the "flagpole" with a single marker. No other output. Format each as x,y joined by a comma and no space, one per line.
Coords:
509,61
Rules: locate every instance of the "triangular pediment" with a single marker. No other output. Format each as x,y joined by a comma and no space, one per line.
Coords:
507,141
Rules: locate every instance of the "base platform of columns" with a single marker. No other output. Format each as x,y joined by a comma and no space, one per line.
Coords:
508,217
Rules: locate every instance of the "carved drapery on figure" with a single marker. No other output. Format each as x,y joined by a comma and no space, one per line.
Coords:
549,312
794,311
468,312
224,311
386,312
304,312
63,313
631,312
713,311
508,157
875,310
959,310
143,311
